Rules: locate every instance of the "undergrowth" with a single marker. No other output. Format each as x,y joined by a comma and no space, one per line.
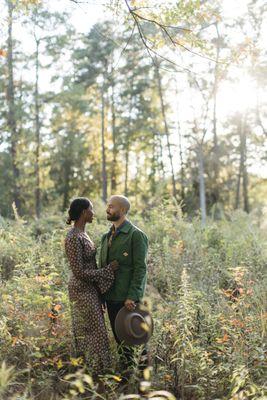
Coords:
206,290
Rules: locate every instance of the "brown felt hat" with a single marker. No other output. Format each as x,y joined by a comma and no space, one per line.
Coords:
134,327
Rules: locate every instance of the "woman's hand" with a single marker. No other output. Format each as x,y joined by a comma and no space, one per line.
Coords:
114,265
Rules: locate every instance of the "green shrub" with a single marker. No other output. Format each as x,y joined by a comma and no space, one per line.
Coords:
207,290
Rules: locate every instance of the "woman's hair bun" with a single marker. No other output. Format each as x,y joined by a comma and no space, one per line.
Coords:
76,208
68,221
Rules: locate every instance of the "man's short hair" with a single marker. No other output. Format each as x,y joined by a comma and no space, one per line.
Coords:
124,202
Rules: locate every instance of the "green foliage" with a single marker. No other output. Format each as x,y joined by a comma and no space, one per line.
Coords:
206,289
117,62
6,377
211,318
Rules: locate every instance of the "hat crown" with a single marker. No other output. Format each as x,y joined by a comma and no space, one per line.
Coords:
133,324
134,327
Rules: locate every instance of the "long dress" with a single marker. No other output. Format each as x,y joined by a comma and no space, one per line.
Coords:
85,285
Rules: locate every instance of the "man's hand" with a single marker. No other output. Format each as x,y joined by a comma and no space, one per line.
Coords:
114,265
130,304
104,307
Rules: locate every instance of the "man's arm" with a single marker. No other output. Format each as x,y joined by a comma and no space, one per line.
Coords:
139,248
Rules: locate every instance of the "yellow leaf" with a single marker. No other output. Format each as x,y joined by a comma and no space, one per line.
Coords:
145,327
75,361
116,378
79,385
146,374
168,378
88,379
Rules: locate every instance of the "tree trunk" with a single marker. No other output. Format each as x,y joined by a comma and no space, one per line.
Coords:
11,114
103,147
160,154
167,133
137,183
66,190
153,168
182,166
37,135
242,167
127,143
258,113
114,140
237,196
180,152
126,167
215,136
202,190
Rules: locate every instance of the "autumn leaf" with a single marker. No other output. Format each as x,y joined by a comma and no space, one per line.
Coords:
116,378
14,341
88,379
75,361
144,326
3,53
237,323
227,292
180,247
167,378
224,339
146,374
240,290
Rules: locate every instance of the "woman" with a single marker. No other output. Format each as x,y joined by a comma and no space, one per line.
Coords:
85,285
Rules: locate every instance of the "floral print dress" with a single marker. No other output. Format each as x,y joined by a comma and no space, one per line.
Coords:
85,285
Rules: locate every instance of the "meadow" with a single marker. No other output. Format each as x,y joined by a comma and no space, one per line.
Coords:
206,290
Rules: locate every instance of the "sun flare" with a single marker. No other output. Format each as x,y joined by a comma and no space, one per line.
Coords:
237,96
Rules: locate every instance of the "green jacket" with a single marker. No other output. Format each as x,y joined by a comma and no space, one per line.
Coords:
129,248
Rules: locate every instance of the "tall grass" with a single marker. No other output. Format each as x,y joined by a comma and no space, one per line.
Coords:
207,293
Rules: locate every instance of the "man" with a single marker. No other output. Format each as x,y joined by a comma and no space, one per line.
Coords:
128,245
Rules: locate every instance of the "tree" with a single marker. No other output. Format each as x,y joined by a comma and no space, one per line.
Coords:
12,114
166,127
94,66
45,28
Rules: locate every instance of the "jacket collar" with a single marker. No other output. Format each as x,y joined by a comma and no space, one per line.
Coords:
124,227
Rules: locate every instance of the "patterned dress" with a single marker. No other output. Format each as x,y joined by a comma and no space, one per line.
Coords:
85,285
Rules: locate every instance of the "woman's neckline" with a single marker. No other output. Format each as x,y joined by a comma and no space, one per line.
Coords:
78,229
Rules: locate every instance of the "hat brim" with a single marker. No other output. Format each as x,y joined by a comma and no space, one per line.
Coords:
120,327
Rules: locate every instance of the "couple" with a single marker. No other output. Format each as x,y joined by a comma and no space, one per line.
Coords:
119,281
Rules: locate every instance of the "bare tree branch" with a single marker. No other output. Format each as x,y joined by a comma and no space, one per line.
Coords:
158,23
149,48
164,29
87,2
125,47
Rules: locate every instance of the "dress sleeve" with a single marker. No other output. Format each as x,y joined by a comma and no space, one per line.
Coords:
74,251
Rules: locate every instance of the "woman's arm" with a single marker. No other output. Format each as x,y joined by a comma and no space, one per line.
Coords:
74,251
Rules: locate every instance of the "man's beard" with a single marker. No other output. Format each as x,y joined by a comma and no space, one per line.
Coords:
113,218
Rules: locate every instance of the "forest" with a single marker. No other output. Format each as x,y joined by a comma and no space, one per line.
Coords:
164,103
